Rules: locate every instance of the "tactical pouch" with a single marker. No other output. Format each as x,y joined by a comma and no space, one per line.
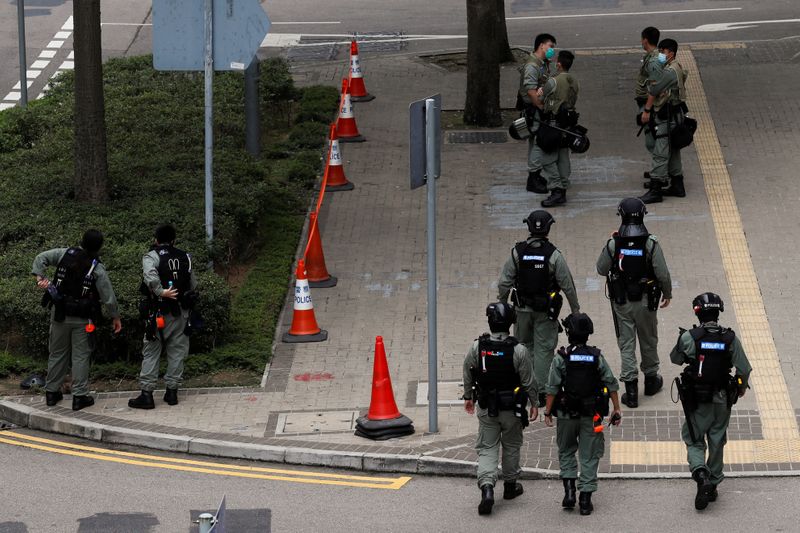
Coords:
505,401
732,391
189,299
492,403
548,138
634,290
60,312
653,296
703,393
554,306
601,402
539,302
616,289
150,328
663,113
144,309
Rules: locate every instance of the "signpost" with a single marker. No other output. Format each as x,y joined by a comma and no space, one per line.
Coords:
425,166
23,62
223,35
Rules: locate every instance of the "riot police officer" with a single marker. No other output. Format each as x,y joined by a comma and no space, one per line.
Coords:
637,280
169,285
533,277
498,374
708,391
578,388
80,285
533,75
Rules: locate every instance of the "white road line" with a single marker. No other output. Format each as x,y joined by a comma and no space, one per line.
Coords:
32,74
4,106
126,23
628,14
18,85
71,55
279,40
297,23
40,64
62,35
13,96
728,26
67,65
47,54
68,25
55,44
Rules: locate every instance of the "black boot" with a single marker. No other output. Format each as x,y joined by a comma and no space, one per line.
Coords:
713,496
536,183
52,398
143,401
585,503
569,494
171,396
653,196
675,187
512,489
704,488
79,402
487,500
652,384
557,197
646,179
631,396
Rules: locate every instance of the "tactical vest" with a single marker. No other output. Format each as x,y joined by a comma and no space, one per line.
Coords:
175,266
496,364
560,104
582,384
644,79
78,290
534,282
713,351
632,265
675,94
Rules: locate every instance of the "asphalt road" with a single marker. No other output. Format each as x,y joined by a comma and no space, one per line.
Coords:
426,25
44,491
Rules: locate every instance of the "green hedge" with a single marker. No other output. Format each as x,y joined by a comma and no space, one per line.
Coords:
155,157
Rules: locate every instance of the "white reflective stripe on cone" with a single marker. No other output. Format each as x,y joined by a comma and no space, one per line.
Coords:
346,110
336,157
355,67
302,296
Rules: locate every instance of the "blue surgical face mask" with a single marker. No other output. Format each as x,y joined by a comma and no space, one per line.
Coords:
662,58
550,53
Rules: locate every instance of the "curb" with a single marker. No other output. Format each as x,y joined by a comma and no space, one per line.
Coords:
32,418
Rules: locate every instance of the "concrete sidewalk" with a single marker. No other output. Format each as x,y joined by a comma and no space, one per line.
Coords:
374,239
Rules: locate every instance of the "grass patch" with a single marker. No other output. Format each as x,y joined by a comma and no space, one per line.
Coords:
155,155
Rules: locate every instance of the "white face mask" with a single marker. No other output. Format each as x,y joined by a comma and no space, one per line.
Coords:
662,58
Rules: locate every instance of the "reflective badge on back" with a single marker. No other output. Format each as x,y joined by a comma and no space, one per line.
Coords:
492,353
581,358
712,346
533,258
632,252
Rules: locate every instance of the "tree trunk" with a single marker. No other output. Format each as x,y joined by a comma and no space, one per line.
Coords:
91,166
482,107
504,54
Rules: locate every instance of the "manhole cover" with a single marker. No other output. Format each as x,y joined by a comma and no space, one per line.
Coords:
477,137
6,425
313,423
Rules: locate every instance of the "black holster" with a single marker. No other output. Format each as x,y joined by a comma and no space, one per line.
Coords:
616,289
654,293
554,306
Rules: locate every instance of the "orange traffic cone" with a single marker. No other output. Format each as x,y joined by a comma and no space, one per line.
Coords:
384,420
336,178
358,91
304,324
318,276
346,124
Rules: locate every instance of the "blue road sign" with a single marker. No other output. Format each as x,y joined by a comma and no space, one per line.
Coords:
178,33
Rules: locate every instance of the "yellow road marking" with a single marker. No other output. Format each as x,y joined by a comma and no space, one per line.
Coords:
204,467
779,426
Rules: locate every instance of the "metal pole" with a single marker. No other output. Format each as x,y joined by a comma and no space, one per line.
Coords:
206,522
252,119
23,62
431,152
209,117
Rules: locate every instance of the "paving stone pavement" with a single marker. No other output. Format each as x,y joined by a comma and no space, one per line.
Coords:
374,239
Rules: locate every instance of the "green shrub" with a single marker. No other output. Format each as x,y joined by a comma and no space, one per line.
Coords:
155,160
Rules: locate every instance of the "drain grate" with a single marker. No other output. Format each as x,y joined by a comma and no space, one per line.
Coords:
477,137
6,425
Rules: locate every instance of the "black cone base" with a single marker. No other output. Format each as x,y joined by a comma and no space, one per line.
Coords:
317,337
344,187
356,139
384,429
323,284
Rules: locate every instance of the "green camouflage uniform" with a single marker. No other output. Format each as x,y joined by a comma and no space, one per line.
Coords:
534,329
505,428
171,338
69,341
634,319
670,90
709,420
559,90
648,72
533,74
577,434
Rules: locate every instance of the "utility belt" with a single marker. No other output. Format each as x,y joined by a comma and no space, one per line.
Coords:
575,407
65,306
153,310
622,290
495,401
694,392
550,303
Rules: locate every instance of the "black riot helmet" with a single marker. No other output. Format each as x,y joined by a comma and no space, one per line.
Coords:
708,306
539,222
632,211
578,327
501,315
